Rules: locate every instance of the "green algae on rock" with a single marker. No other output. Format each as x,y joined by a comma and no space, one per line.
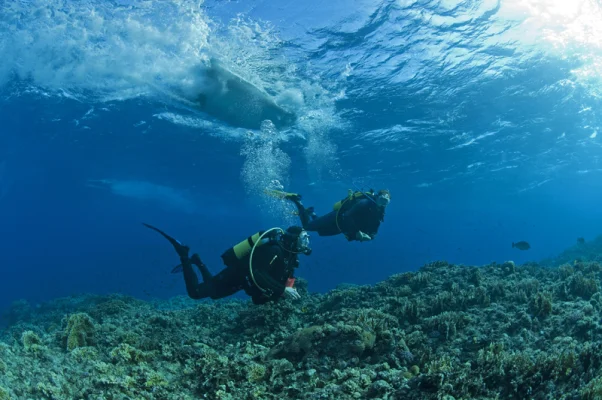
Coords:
79,332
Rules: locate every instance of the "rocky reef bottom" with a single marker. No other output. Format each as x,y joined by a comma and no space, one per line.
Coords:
442,332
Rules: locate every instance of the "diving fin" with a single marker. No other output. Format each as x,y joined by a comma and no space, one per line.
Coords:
279,194
196,260
181,249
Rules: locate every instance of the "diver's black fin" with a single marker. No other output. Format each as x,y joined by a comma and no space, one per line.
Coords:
181,249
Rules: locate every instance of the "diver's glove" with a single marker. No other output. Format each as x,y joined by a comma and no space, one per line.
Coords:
362,237
292,293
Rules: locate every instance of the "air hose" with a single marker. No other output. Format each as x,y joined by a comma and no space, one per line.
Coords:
253,250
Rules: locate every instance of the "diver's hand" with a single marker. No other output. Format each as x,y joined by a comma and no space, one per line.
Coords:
292,293
362,237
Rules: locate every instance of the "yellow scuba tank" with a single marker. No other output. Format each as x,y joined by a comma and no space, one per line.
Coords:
242,249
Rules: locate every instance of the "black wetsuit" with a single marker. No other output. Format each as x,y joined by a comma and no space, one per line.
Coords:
364,215
272,267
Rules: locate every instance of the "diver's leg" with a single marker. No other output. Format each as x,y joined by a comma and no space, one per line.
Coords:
326,225
303,212
195,289
196,260
227,282
224,284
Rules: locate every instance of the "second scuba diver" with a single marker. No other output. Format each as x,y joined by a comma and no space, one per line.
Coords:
262,265
358,216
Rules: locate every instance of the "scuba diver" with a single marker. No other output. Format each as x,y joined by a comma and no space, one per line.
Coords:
262,265
357,216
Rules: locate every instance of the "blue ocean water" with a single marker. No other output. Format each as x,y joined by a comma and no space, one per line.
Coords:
480,117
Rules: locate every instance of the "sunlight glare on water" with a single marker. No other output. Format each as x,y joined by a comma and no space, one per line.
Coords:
572,28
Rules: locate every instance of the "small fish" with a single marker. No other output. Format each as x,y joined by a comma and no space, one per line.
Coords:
522,245
581,240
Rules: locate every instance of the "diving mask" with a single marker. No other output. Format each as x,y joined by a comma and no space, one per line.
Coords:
303,243
383,200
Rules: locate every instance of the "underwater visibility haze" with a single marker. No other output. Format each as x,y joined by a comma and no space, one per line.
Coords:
481,117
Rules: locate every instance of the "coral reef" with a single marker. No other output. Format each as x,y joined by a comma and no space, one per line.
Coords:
79,331
443,332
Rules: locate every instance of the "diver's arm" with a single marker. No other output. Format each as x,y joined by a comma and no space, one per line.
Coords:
351,228
268,258
373,234
272,287
378,216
